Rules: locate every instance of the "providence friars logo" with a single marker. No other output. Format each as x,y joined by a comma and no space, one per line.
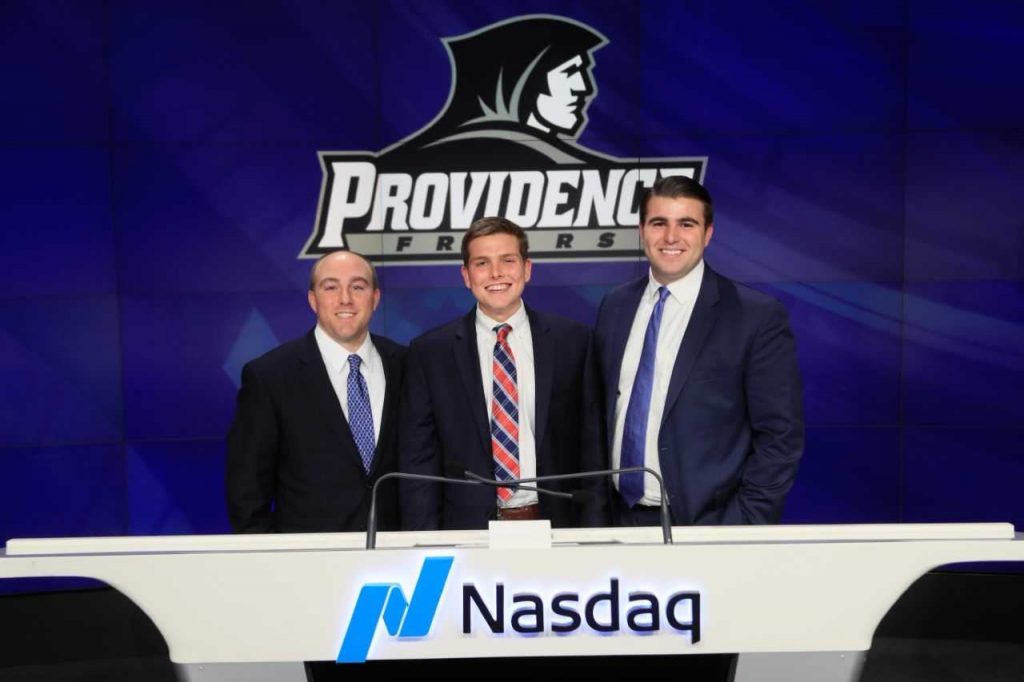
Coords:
504,144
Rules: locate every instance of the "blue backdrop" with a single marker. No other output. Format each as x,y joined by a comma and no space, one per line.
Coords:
160,176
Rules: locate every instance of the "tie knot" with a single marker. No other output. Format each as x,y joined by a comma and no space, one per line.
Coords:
662,294
503,330
353,362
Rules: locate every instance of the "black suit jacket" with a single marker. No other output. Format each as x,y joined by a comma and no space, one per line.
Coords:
445,425
292,464
732,432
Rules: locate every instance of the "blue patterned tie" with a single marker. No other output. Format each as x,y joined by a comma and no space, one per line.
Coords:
360,417
634,436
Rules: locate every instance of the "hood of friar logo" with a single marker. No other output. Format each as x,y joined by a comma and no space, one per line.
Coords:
505,144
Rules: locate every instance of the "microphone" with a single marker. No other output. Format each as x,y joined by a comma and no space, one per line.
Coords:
581,496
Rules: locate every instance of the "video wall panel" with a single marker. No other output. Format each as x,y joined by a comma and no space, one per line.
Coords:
162,173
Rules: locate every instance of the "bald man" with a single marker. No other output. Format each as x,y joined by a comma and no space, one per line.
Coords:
315,422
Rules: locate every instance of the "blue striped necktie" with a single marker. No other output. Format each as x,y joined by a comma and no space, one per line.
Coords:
634,432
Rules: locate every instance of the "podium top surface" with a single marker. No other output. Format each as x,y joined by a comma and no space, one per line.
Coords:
480,538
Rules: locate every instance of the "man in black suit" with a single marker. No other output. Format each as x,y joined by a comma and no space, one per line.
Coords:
719,409
506,392
315,424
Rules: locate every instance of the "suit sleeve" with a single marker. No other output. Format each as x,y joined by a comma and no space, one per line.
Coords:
418,450
251,457
593,443
775,407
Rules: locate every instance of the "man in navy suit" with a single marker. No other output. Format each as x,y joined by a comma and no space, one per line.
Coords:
701,378
315,424
505,392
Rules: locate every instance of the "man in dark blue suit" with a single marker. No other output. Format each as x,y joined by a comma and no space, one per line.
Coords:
506,392
316,424
701,378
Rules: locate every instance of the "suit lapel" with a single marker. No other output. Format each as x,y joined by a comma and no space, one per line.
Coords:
701,322
322,394
467,360
622,316
543,373
391,384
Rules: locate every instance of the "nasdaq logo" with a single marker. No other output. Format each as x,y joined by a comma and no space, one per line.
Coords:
386,601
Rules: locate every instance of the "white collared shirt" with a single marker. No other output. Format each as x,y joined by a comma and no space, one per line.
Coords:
372,368
520,340
675,317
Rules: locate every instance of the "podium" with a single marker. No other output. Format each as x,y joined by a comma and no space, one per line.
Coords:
796,602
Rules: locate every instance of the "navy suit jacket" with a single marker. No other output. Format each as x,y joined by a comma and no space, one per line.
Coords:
292,464
732,432
446,426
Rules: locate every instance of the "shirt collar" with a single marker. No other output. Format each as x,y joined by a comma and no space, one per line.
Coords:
517,321
684,290
335,355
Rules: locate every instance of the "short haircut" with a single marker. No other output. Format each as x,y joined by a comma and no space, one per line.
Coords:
312,271
488,226
675,187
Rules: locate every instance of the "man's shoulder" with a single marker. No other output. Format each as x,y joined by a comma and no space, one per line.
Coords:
745,295
284,354
617,298
440,335
626,289
386,346
563,325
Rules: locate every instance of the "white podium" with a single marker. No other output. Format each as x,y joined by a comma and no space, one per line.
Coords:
797,602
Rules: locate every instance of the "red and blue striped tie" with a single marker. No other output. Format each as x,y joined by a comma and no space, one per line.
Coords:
505,413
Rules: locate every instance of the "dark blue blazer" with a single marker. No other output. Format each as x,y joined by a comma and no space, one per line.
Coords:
446,427
292,464
732,432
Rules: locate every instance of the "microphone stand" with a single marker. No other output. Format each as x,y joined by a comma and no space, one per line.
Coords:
666,519
371,516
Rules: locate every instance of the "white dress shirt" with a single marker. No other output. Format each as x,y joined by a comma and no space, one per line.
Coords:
521,341
675,317
372,368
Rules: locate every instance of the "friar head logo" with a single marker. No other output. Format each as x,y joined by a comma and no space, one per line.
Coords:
505,143
527,75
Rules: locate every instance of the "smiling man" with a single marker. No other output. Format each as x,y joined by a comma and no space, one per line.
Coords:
505,392
701,378
315,422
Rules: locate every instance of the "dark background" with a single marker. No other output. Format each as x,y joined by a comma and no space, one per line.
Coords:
159,176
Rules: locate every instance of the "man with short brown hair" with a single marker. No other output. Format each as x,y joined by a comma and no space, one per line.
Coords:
505,392
701,378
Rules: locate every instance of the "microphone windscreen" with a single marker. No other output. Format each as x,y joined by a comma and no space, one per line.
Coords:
582,496
455,470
